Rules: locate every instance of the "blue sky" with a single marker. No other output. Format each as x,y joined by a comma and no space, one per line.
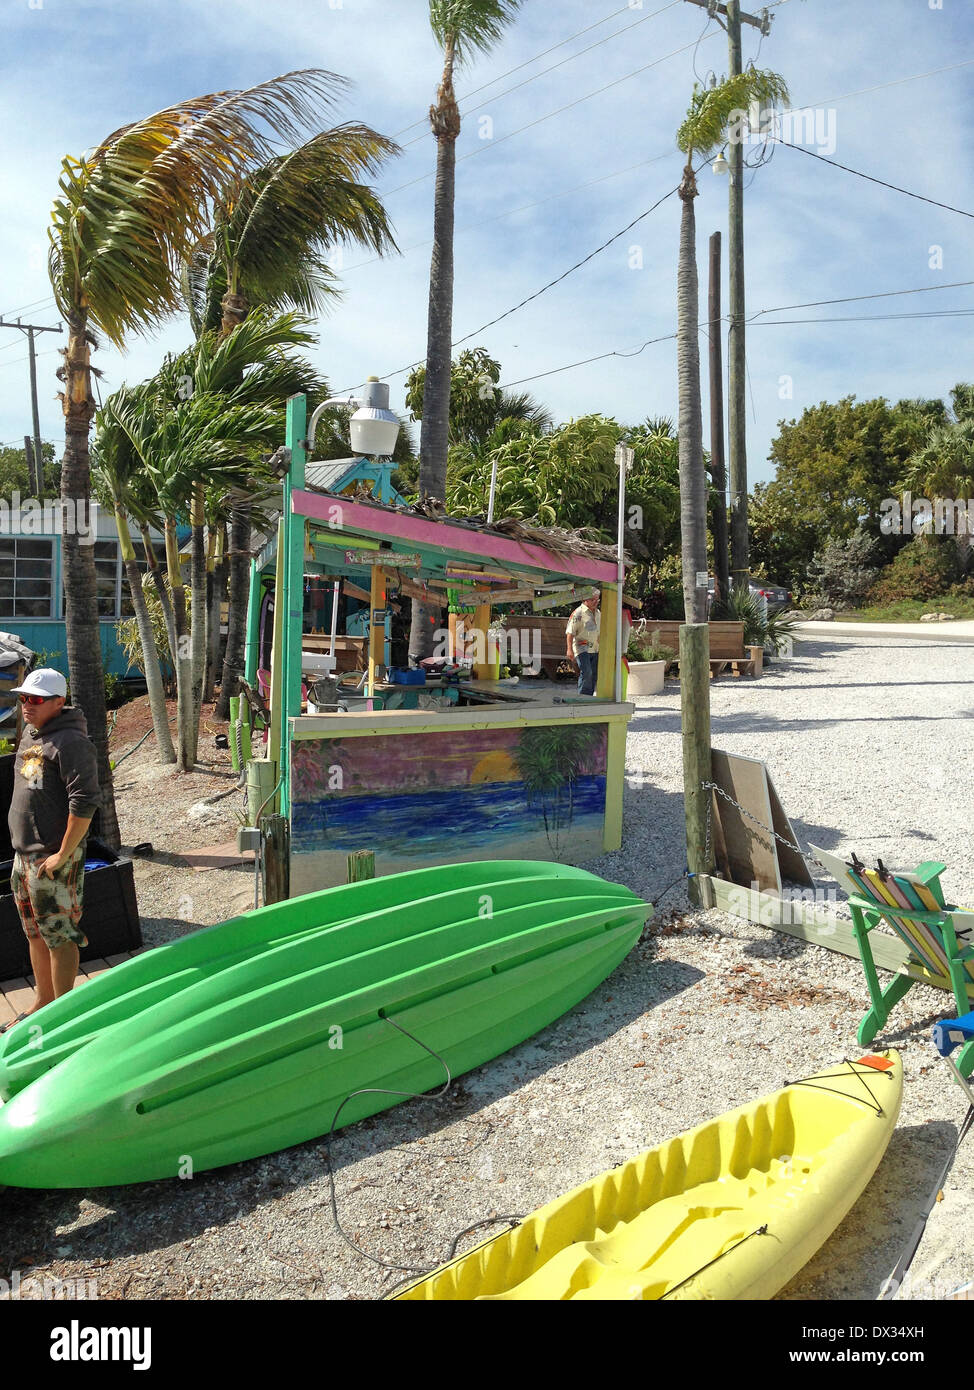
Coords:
531,202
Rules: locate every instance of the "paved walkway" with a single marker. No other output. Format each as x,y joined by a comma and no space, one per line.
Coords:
960,631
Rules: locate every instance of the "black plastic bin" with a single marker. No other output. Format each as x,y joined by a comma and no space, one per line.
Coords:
110,916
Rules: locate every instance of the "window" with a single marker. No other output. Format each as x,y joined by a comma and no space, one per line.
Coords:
26,586
111,583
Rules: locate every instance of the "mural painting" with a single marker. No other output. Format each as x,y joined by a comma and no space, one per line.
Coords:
524,793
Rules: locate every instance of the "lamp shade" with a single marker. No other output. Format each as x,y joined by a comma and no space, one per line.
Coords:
373,427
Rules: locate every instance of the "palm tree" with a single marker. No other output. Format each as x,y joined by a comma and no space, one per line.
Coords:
119,483
461,28
202,453
704,131
269,246
130,213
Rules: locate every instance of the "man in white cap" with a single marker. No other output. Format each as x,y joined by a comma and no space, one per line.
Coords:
55,795
582,637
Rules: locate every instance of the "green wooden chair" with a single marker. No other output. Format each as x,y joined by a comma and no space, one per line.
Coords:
935,933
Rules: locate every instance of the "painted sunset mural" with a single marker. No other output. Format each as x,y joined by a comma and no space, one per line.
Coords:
527,793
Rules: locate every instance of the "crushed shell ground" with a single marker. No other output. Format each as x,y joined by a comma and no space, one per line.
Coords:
868,747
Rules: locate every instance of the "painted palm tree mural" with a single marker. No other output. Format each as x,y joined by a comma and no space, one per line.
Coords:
552,762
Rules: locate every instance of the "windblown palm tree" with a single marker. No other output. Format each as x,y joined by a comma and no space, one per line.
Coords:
703,132
461,28
269,246
129,215
119,481
201,448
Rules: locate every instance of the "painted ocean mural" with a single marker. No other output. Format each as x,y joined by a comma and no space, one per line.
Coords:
445,797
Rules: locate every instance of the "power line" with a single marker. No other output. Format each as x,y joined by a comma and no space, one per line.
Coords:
24,307
626,9
855,298
570,59
389,375
702,326
897,82
877,318
525,207
493,144
882,182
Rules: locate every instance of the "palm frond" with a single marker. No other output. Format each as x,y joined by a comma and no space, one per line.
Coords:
712,109
131,212
290,210
471,26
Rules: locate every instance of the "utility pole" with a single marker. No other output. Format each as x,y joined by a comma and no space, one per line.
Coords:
37,472
718,473
736,363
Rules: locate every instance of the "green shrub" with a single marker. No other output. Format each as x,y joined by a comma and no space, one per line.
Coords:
843,572
926,568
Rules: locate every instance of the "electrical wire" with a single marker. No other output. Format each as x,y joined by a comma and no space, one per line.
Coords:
856,298
570,59
37,303
802,149
659,202
512,212
526,64
494,144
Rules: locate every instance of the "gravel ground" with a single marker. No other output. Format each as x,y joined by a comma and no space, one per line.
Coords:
866,748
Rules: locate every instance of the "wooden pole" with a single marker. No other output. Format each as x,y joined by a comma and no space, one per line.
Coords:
480,622
605,681
717,469
695,713
361,865
377,630
276,858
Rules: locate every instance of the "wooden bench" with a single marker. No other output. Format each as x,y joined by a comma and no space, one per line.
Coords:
552,639
726,645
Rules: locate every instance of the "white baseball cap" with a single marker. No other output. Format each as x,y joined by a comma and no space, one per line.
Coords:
44,681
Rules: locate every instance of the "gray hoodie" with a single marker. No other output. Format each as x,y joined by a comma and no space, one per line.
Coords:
56,773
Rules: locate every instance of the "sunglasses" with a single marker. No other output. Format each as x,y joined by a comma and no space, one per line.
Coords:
35,699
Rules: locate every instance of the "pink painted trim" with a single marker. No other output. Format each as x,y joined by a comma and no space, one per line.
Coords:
440,535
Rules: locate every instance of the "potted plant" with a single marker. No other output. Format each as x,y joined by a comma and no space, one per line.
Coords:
648,660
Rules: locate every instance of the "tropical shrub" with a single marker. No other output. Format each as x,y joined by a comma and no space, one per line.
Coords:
843,571
924,569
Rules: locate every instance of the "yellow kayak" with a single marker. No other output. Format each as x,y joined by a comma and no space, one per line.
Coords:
729,1210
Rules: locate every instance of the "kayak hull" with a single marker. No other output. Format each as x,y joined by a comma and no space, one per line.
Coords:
732,1209
246,1038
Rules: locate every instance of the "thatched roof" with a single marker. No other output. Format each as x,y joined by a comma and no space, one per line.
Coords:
564,544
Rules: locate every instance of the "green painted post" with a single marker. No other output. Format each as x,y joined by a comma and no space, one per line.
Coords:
251,654
293,597
235,732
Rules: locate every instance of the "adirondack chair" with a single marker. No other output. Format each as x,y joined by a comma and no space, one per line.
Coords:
936,934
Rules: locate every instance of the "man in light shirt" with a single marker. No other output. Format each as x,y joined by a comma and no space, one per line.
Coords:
582,638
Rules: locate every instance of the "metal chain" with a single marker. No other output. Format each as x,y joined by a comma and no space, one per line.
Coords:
809,858
712,786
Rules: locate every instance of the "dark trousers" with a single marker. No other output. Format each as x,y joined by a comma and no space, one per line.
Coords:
588,670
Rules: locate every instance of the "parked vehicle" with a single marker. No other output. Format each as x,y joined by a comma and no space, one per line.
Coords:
778,598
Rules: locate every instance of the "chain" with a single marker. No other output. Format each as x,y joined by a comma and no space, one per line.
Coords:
719,791
712,786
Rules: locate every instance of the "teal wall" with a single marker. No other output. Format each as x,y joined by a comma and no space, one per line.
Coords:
49,634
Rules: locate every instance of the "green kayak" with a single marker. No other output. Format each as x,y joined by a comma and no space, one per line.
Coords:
245,1038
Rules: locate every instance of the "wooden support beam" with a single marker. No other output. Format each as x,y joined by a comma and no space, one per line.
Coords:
605,684
377,631
808,922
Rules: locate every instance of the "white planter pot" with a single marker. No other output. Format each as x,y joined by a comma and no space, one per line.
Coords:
646,677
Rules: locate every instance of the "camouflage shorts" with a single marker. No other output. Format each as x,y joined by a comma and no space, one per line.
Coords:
50,908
